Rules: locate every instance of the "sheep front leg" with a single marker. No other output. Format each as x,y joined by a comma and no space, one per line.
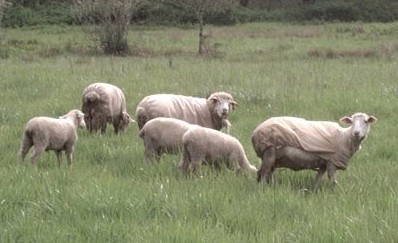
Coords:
59,157
267,165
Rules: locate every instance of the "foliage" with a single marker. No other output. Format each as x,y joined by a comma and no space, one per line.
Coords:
108,22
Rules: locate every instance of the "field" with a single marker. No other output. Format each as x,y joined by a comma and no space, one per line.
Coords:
110,194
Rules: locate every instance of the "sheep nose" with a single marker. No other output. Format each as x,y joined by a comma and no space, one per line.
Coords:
356,134
225,110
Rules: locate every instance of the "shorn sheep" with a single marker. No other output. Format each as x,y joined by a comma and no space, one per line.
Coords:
202,144
46,133
298,144
211,112
105,103
163,135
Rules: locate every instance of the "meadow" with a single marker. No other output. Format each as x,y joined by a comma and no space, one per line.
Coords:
110,194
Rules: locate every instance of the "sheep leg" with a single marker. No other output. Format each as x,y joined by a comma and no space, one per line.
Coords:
25,147
331,169
36,154
103,124
185,160
59,157
267,165
195,164
319,176
116,123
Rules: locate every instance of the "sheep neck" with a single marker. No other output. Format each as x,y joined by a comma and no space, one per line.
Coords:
349,142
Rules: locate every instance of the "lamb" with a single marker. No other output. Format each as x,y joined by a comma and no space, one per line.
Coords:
298,144
163,135
211,112
46,133
212,146
105,103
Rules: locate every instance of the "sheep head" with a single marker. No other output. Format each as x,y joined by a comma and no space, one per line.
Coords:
125,121
221,104
360,125
76,116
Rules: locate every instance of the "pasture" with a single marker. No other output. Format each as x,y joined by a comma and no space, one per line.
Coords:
110,194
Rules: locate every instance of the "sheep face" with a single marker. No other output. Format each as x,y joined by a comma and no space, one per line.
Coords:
76,116
125,121
360,125
221,104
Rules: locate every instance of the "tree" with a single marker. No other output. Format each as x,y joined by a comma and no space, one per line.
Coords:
200,8
108,22
3,5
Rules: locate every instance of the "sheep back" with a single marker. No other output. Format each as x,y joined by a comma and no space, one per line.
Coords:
190,109
202,143
50,132
164,133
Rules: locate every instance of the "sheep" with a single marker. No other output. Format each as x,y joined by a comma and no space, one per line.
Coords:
105,103
212,146
163,135
211,112
46,133
298,144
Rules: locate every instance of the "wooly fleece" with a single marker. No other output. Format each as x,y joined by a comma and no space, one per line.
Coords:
322,138
163,135
193,110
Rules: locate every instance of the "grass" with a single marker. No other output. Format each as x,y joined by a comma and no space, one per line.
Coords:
112,194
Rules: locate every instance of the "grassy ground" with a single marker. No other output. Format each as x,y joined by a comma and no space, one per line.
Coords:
319,72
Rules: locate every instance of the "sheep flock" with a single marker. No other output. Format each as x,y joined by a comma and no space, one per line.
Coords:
198,129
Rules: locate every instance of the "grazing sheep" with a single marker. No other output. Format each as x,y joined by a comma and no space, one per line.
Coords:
105,103
211,112
298,144
213,147
46,133
163,135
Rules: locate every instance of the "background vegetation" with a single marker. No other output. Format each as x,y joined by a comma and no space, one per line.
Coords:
34,12
319,72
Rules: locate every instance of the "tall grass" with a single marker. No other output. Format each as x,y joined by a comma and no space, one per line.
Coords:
111,194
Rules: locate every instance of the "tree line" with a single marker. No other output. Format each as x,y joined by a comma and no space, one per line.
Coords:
108,21
169,12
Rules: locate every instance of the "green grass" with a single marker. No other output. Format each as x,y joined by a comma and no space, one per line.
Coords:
111,194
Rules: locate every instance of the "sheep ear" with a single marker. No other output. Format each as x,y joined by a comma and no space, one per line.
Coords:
372,119
214,99
346,120
233,103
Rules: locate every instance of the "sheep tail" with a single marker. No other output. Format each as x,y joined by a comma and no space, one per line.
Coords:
91,97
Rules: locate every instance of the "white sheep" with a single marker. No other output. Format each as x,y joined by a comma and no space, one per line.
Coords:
211,112
105,103
213,147
163,135
46,133
298,144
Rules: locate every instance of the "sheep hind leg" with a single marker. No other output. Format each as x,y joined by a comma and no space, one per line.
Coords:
331,169
185,160
318,177
36,154
25,147
267,165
